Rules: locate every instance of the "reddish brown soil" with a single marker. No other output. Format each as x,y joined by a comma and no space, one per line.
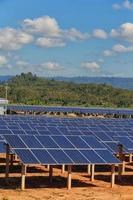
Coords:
38,187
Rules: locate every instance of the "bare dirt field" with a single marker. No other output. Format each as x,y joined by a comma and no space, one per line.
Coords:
39,188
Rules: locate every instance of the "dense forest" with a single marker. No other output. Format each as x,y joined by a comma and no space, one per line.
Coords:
30,89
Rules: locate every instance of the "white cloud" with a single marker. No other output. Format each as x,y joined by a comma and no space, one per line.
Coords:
9,66
3,60
100,60
21,63
46,25
118,48
49,33
50,42
73,34
40,67
13,39
107,53
51,66
125,5
124,32
92,66
128,5
45,32
99,33
116,6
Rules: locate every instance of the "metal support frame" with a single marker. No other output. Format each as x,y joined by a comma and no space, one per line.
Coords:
130,158
89,169
50,174
23,173
121,167
7,161
92,172
69,177
12,159
63,169
112,175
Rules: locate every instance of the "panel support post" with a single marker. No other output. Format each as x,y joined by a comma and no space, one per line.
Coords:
112,175
69,178
130,158
7,161
62,169
48,167
121,158
123,166
15,157
89,169
92,172
23,173
12,159
50,174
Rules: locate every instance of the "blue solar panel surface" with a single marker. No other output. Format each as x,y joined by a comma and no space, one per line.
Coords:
68,153
105,131
70,109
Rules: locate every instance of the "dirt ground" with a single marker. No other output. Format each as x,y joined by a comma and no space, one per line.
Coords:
39,188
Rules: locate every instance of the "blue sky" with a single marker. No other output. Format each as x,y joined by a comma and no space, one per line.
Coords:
66,37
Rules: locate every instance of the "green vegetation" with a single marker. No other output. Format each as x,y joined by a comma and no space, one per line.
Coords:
30,89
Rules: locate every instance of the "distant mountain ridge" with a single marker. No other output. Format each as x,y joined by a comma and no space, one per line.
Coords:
125,83
5,78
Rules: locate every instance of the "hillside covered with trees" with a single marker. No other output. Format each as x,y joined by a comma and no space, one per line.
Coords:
30,89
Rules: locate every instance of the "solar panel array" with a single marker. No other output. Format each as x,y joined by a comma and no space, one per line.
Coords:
55,150
63,109
107,131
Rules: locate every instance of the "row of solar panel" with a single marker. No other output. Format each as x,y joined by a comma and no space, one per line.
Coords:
43,121
74,121
65,130
44,118
74,142
54,142
104,135
35,153
69,109
97,125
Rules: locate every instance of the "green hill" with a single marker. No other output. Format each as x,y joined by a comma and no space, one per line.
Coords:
30,89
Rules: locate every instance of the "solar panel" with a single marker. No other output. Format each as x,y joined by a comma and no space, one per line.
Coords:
126,141
92,156
92,142
47,142
60,157
4,132
15,141
77,142
26,156
2,147
102,136
112,146
30,141
43,156
63,142
107,156
18,132
25,126
77,156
